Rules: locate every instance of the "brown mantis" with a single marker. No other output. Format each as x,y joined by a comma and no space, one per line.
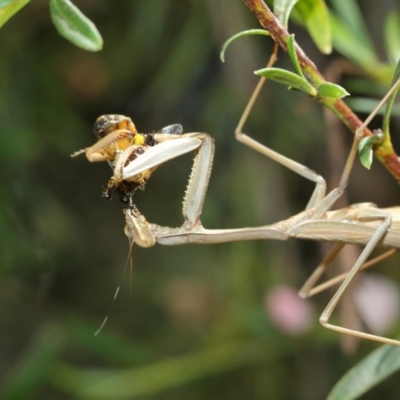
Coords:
362,223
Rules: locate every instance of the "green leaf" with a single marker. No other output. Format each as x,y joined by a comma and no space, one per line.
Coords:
389,104
282,10
396,75
316,17
366,105
392,36
350,15
239,35
346,42
74,26
365,150
287,78
5,3
10,7
291,46
328,89
380,364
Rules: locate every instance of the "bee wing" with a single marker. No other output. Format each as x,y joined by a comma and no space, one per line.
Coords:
175,129
159,154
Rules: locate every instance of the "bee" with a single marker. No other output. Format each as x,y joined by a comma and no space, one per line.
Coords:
119,144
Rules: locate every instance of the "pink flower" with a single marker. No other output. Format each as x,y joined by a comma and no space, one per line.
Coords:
290,313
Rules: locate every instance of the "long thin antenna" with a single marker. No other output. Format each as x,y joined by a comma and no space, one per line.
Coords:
118,287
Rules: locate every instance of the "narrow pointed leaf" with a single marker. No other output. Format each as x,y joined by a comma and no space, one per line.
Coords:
291,46
392,35
366,105
389,105
350,14
10,7
239,35
328,89
282,10
379,365
74,26
345,42
315,15
287,78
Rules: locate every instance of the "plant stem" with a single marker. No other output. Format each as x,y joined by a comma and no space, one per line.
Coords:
384,152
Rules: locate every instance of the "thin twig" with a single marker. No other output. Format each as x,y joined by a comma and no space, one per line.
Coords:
384,152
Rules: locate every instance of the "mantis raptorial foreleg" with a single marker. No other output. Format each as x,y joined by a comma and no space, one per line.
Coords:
170,147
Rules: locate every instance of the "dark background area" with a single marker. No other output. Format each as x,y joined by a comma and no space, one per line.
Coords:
63,248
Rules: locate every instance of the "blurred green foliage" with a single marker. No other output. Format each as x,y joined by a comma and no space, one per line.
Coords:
192,323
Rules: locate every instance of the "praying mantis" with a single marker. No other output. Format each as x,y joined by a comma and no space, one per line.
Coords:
134,157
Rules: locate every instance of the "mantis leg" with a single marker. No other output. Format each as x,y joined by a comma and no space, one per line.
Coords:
324,319
305,290
326,203
309,289
320,187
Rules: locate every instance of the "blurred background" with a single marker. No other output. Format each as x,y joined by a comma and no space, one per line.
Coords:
191,322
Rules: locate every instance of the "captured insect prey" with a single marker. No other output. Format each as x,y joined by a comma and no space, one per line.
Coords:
125,188
119,144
